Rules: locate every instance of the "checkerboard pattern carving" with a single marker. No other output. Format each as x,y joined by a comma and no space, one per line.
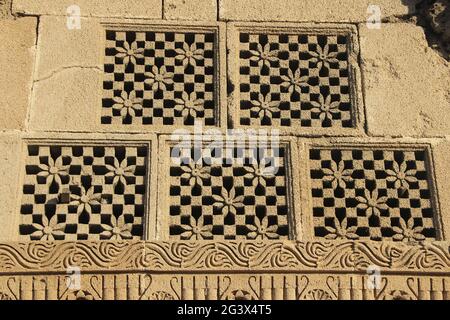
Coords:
294,80
218,197
160,78
84,192
372,193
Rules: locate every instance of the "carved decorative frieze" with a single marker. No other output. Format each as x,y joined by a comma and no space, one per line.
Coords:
144,286
162,256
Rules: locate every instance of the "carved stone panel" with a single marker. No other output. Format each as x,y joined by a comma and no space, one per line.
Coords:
89,190
243,191
301,79
163,76
378,191
144,286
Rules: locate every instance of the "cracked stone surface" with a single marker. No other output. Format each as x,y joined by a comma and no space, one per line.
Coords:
97,108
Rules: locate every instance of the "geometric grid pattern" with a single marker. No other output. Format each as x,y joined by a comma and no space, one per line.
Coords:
371,193
159,78
294,80
221,196
84,192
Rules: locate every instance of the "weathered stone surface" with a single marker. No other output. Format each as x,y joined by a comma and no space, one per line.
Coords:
68,76
10,160
406,83
66,101
17,51
309,10
190,10
113,8
5,8
441,156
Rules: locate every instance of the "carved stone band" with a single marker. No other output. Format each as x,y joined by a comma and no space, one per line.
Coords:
276,256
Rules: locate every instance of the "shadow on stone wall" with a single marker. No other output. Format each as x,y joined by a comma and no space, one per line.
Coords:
434,17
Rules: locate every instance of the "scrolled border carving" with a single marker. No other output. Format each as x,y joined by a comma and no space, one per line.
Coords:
288,256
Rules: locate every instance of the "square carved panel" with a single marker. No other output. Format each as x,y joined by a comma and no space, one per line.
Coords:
299,79
162,76
240,192
376,193
91,191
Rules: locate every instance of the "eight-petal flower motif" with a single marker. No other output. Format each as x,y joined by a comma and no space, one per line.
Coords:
120,171
85,200
407,232
196,230
293,81
189,104
53,171
228,201
195,173
325,107
264,106
337,175
48,229
401,176
158,78
259,172
189,55
264,55
341,231
371,203
118,229
128,104
129,53
262,230
323,56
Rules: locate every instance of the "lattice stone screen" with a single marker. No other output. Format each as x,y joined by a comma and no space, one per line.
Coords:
295,77
84,192
218,197
372,193
298,79
162,76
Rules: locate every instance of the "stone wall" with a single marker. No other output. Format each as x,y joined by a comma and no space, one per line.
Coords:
90,106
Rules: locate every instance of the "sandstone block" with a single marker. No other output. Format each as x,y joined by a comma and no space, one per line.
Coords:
406,83
17,51
112,8
310,10
190,10
10,150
